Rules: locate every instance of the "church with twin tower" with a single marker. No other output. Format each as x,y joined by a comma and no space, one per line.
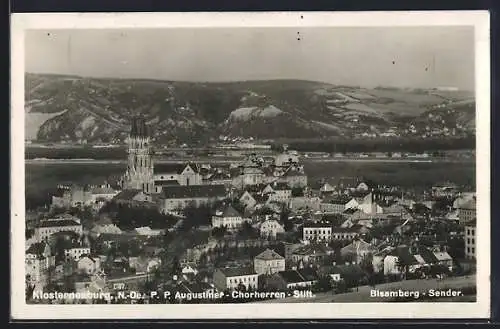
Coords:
140,168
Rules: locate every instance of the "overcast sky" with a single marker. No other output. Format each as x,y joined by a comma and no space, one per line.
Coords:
392,56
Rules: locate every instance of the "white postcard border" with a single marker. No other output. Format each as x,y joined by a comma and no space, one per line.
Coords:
22,22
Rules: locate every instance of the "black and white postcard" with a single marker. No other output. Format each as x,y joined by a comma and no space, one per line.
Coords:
257,165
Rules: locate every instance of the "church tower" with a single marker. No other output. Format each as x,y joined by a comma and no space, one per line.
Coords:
139,174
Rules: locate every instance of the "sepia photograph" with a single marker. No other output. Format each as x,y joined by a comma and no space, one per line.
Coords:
319,165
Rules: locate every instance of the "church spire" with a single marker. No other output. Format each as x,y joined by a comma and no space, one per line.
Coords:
139,127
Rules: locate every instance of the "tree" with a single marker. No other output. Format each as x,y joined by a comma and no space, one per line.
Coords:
219,232
247,231
323,284
176,266
403,267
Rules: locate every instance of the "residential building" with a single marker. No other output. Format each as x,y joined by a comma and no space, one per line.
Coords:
133,197
467,212
269,262
231,278
293,279
341,233
48,227
248,200
310,254
338,204
359,249
179,197
271,228
38,261
354,214
317,232
184,174
143,265
280,192
470,240
89,264
76,252
228,217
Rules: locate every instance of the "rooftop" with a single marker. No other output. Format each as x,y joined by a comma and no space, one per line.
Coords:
193,191
269,254
59,223
127,195
297,276
237,271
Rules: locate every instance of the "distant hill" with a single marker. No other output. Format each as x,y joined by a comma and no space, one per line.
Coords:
69,108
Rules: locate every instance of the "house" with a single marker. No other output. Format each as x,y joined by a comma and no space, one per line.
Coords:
293,279
281,192
189,270
341,233
248,200
143,265
231,278
326,188
89,264
470,240
270,229
443,258
286,159
179,197
249,176
195,288
38,262
103,192
269,262
366,185
71,196
467,212
132,197
304,203
349,273
463,199
48,227
411,258
338,204
85,283
229,218
317,232
75,252
354,214
220,177
310,254
294,178
445,189
359,249
184,174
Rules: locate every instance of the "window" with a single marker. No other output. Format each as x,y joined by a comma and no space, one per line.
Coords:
468,249
468,240
473,250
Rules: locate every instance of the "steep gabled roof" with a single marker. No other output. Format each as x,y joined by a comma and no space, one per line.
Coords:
269,254
193,191
237,271
127,195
